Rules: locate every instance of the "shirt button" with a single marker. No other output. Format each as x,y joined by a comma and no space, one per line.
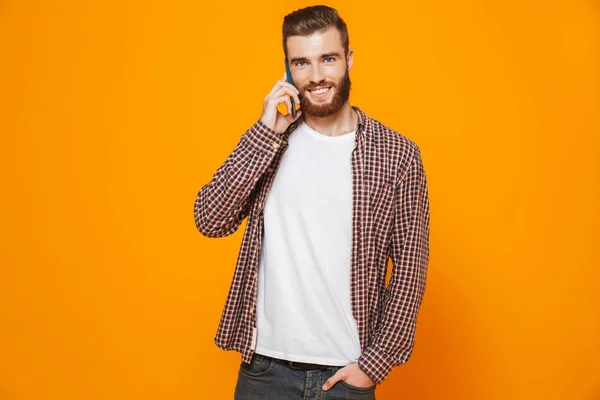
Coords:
275,145
270,170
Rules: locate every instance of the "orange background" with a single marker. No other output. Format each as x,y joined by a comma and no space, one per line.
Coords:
114,114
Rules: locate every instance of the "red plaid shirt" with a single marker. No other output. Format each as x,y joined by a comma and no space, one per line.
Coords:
390,218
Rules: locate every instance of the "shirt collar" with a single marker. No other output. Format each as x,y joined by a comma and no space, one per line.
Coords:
362,122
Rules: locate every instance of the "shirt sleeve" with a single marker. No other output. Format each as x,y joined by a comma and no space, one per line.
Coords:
222,204
394,338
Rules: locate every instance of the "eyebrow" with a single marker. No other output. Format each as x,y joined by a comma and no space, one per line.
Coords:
326,55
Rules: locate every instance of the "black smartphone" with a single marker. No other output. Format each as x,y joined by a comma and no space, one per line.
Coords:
289,79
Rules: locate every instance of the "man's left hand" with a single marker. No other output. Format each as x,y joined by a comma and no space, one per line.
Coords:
351,374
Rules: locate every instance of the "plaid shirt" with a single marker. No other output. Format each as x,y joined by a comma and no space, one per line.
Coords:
390,218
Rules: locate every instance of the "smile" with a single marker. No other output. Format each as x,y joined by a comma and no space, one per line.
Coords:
320,92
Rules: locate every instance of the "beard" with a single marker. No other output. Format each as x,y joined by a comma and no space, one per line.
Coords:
340,96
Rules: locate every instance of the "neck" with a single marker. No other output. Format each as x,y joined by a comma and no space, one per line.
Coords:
340,123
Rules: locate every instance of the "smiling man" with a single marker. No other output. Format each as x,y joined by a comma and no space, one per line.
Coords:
330,196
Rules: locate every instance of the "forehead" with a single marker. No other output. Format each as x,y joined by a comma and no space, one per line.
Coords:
315,44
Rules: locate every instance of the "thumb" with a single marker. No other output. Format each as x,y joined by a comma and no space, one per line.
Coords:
333,380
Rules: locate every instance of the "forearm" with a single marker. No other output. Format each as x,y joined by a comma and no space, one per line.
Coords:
393,340
223,203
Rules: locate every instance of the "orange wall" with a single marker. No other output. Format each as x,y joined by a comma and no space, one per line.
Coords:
114,113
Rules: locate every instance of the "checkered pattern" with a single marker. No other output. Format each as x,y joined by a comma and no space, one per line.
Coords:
390,218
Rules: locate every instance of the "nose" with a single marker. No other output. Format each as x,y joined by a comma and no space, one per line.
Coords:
316,74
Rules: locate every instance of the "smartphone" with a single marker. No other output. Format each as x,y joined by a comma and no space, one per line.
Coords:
289,79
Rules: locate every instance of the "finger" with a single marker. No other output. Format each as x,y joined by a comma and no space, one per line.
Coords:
338,376
289,105
276,101
290,118
289,85
277,85
280,85
285,81
284,93
285,90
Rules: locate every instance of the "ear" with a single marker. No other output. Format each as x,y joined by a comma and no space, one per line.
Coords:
350,58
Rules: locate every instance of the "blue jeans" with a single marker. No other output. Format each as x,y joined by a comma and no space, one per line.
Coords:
266,379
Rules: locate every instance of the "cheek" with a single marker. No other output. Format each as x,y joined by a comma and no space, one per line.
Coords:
301,84
337,77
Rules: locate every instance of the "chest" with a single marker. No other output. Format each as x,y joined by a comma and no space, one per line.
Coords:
364,173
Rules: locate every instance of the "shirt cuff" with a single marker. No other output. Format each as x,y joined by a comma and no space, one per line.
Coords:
375,363
263,138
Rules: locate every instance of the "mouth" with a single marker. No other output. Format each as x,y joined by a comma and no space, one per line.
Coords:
320,91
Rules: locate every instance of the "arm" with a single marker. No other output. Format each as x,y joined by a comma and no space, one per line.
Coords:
222,204
393,340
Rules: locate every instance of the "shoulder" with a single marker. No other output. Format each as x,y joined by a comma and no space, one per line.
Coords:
402,149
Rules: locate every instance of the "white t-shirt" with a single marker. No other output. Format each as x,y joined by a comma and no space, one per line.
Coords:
303,308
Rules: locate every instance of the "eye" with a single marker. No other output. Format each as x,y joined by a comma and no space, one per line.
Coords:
330,58
300,62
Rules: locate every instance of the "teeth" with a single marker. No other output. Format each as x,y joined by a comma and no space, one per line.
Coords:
320,91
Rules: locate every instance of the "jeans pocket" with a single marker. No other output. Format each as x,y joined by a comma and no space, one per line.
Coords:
258,366
359,389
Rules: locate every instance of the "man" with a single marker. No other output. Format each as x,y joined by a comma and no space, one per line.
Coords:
330,196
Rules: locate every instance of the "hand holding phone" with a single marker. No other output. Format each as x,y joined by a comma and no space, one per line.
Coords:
282,92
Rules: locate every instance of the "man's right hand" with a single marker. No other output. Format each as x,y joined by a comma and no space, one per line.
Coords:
271,116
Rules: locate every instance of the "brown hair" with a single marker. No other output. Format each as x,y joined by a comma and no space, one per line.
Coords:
306,21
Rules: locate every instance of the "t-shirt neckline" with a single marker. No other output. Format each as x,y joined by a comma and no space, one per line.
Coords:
320,136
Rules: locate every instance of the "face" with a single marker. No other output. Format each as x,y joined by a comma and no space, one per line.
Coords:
320,71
